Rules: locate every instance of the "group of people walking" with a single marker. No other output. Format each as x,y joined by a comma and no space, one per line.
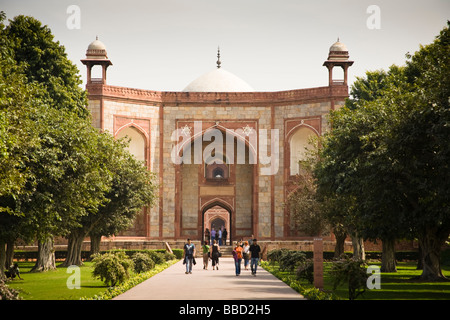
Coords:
211,252
249,251
219,235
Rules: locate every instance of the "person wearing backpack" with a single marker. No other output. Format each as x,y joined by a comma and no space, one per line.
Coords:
189,254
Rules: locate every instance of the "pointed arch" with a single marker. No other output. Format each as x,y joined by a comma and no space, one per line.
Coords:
251,143
138,145
217,202
212,213
299,143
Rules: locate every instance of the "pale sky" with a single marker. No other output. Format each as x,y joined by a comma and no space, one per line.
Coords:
273,45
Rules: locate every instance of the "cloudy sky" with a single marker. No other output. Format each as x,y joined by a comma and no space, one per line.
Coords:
271,44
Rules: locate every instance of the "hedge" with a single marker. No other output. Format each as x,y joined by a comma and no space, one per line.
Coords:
327,255
370,255
85,255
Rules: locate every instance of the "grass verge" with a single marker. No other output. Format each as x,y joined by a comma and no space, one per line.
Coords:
52,285
398,285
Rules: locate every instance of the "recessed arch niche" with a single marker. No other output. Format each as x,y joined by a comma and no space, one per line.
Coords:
299,144
137,145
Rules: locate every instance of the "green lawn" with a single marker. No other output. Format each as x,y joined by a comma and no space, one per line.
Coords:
394,286
52,285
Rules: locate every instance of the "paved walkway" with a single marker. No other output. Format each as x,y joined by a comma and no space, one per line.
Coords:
222,284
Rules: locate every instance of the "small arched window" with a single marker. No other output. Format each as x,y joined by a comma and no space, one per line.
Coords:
218,173
216,167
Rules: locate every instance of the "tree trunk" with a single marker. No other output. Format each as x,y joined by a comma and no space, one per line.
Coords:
74,248
420,259
2,259
358,248
95,244
9,253
388,262
46,256
431,243
340,243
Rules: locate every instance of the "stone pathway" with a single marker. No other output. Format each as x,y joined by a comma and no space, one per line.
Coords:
222,284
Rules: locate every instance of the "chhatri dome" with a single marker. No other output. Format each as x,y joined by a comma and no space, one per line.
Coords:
218,80
338,51
96,50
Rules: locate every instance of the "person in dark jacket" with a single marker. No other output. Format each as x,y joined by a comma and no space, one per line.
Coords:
255,251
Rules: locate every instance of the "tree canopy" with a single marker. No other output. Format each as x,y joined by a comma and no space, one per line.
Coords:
388,153
56,170
44,60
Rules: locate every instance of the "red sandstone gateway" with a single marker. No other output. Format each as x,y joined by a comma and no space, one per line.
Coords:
246,197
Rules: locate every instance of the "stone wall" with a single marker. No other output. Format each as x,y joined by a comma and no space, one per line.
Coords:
148,110
244,184
189,217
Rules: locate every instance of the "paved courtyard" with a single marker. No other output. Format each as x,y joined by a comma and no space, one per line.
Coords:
222,284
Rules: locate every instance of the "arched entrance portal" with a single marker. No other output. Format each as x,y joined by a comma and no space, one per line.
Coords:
217,217
218,168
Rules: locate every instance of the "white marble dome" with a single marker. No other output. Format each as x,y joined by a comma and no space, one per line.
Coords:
218,80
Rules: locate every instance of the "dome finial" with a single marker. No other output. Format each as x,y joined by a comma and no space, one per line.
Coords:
96,37
218,58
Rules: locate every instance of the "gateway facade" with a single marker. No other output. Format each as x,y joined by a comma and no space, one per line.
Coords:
225,156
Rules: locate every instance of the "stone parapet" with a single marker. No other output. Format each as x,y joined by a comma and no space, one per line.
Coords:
235,98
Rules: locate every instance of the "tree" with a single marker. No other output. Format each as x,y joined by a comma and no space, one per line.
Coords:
351,272
313,212
389,156
45,62
367,88
335,172
421,141
132,187
70,178
335,210
18,98
303,205
50,148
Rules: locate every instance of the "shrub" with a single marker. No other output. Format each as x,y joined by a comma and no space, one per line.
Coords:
274,255
290,259
157,257
350,272
112,268
305,270
130,283
142,262
178,253
169,256
7,293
